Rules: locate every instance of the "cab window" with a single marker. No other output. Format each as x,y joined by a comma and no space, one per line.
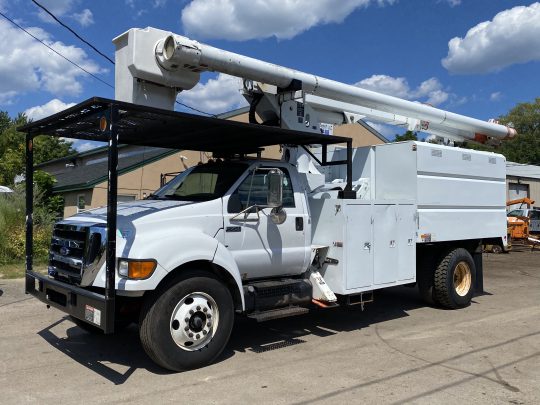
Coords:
257,182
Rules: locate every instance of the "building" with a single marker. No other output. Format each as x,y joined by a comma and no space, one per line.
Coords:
523,181
82,178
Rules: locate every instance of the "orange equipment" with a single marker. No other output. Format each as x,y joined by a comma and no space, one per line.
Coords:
518,226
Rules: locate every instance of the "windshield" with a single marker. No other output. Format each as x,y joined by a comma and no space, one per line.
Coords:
203,182
516,213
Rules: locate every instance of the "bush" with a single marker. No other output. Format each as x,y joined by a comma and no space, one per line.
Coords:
12,228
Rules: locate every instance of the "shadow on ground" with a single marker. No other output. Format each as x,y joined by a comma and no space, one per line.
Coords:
116,357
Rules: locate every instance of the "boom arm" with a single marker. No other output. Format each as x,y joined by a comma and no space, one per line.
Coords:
152,66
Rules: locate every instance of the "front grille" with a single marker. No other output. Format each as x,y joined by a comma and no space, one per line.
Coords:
76,252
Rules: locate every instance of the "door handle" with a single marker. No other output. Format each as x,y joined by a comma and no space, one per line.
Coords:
299,222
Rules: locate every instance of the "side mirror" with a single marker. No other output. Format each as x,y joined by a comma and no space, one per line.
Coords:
275,188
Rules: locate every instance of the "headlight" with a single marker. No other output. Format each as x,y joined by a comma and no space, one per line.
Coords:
136,269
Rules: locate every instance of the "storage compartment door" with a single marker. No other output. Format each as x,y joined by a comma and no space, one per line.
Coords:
407,242
359,247
385,243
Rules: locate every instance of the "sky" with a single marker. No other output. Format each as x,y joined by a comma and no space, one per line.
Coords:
474,57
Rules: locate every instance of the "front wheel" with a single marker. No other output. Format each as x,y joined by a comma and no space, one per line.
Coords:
454,279
188,324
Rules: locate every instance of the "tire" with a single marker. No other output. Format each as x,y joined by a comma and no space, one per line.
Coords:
454,279
496,249
187,324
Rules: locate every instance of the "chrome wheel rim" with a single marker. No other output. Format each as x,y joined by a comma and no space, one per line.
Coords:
194,321
462,278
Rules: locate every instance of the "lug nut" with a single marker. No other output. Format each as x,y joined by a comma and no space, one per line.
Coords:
186,319
190,335
198,336
209,316
186,328
204,332
198,307
191,311
209,324
205,309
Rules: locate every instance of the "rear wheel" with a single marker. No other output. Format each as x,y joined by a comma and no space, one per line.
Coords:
188,324
454,279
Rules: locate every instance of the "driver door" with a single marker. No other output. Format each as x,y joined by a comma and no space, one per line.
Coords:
261,247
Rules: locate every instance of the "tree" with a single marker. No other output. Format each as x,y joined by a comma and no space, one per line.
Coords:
525,147
524,117
12,148
407,136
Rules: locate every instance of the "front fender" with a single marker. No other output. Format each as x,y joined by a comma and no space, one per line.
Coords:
225,260
170,253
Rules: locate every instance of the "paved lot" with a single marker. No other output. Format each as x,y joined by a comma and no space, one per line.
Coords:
396,351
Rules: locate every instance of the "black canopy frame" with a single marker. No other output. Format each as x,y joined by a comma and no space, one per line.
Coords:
116,122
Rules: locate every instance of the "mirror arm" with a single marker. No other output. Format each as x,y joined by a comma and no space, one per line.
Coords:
246,212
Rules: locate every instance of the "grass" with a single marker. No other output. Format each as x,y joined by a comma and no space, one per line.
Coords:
16,270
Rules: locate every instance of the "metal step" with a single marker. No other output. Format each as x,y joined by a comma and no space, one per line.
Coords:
263,316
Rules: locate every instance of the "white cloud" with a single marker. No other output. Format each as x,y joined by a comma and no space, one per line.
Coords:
386,130
216,95
430,91
26,65
85,17
65,8
83,146
51,107
57,7
453,3
7,97
248,19
496,96
513,36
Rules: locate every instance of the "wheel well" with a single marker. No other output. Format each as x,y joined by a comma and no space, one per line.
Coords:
438,248
428,254
205,266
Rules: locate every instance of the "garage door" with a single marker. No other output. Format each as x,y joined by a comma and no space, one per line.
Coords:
516,191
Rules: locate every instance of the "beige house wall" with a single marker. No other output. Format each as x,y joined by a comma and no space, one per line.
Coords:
145,180
72,197
359,134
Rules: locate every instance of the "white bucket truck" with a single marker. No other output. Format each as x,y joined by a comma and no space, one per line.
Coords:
324,226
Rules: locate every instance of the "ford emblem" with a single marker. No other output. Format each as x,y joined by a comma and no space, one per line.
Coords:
64,251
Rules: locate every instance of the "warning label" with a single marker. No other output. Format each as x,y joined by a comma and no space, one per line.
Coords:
92,314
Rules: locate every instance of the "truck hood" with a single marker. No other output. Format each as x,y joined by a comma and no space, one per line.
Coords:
130,211
146,221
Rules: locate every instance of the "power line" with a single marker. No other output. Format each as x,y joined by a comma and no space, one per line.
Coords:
56,52
195,109
72,31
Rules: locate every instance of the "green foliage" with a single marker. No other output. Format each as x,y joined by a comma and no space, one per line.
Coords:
407,136
12,229
12,148
12,205
524,117
524,148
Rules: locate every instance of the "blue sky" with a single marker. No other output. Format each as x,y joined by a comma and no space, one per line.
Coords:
474,57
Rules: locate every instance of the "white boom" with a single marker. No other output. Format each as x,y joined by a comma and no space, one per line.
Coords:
152,66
